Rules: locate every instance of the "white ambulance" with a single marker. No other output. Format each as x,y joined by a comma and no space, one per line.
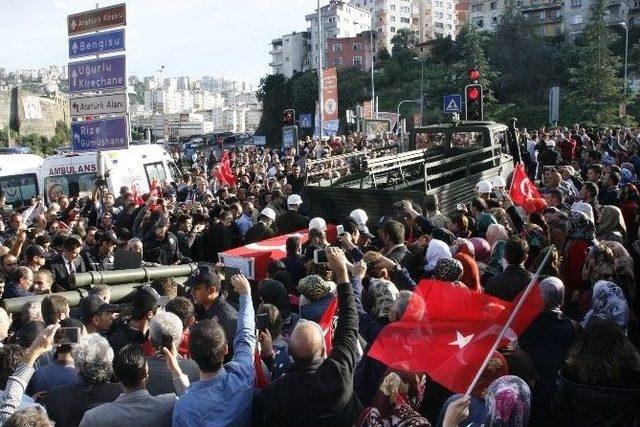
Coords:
20,178
137,167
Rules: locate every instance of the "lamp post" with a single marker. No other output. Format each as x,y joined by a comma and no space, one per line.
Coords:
421,88
626,54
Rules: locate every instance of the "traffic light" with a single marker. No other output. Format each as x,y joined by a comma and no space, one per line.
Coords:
473,102
473,97
289,117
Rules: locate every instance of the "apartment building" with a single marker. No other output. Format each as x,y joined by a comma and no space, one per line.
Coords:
290,53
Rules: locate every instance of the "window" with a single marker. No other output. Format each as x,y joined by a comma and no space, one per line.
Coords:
175,173
438,24
476,7
405,9
576,19
493,5
438,4
466,140
430,140
576,3
557,31
405,20
19,188
494,20
393,7
439,15
393,29
357,61
337,47
70,185
357,46
479,23
393,19
286,59
155,172
331,19
337,61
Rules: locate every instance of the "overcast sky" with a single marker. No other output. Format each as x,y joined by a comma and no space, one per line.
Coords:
229,38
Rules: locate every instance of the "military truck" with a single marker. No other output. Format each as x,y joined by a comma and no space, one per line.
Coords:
444,159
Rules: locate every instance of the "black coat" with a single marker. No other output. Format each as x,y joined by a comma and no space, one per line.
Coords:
291,221
547,341
57,265
319,393
258,232
165,251
508,284
582,405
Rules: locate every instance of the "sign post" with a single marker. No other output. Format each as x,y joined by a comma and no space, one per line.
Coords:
452,104
99,105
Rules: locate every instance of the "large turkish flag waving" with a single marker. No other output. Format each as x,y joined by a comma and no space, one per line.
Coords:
448,331
521,186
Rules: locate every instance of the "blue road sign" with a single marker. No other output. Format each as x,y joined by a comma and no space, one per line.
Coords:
305,121
98,74
98,135
452,103
92,44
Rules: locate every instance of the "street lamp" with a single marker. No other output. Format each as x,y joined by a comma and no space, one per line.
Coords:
626,53
421,61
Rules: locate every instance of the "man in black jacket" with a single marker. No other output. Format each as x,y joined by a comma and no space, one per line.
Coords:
292,220
68,263
318,390
161,246
262,230
392,235
515,278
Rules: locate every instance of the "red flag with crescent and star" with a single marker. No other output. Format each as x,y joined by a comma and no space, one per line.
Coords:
521,187
447,332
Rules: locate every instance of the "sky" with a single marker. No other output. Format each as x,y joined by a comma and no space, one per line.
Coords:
228,38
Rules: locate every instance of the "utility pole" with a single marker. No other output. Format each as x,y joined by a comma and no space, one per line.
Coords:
320,88
374,110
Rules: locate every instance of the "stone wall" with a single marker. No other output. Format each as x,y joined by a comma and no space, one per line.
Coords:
37,114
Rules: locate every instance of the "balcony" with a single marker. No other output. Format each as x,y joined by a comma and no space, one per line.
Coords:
540,6
538,20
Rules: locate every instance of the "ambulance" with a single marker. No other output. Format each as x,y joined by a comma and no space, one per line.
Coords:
74,174
20,178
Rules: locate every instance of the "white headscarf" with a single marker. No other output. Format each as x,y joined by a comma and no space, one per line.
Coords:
436,250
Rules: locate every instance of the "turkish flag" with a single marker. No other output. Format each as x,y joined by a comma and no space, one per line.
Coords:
447,332
223,172
326,323
521,186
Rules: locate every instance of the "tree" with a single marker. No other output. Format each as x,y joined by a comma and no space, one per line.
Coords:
274,95
402,45
595,84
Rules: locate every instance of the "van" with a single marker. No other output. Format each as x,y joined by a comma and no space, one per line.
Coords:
74,174
20,178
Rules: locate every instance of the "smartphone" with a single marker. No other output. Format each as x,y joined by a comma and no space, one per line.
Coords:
340,229
320,255
262,321
66,336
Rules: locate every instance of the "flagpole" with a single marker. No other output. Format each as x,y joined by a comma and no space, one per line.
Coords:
526,292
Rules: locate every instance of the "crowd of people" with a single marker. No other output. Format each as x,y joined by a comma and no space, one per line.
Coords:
219,350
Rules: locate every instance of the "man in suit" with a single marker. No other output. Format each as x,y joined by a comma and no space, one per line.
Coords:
392,235
134,407
515,278
64,265
262,230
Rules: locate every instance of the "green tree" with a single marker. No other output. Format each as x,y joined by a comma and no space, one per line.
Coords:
402,45
595,84
274,95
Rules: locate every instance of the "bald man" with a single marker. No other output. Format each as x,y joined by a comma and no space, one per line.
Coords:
318,390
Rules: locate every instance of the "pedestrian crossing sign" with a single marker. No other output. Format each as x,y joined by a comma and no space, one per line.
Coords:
452,103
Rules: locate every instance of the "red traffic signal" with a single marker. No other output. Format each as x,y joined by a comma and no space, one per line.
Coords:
474,74
473,102
473,93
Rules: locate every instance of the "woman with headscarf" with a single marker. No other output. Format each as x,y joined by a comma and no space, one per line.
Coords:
599,383
496,233
547,341
608,303
482,252
612,226
497,237
396,403
449,270
496,368
436,251
629,202
623,265
580,238
470,273
508,402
